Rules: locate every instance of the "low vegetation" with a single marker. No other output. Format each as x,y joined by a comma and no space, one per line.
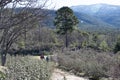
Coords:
94,49
90,63
26,68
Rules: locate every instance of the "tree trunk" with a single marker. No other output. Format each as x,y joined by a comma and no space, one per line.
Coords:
66,40
3,57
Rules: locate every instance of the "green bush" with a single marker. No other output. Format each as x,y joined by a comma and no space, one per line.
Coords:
25,68
104,46
117,46
2,75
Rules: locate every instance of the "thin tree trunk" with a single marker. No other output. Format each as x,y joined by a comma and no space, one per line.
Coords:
39,37
3,57
25,35
66,40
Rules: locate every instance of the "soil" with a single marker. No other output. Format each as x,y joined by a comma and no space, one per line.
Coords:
58,74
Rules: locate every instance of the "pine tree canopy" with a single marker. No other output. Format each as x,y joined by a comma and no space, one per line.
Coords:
65,20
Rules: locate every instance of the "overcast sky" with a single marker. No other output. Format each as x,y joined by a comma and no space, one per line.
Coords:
60,3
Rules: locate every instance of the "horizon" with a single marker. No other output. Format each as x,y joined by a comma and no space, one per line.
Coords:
60,3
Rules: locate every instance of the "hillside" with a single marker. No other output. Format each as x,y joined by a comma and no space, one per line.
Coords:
109,14
95,17
87,22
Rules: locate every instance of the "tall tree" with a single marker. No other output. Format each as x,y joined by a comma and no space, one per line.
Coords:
65,22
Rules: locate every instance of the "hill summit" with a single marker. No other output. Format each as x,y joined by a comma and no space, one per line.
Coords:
109,14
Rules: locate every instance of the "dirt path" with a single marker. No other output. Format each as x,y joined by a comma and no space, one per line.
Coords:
62,75
58,74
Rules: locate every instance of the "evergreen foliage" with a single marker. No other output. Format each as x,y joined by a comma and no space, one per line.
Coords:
65,22
117,46
104,46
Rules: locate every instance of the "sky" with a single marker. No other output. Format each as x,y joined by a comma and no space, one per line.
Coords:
60,3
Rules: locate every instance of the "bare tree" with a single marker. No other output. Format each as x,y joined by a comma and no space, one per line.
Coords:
16,21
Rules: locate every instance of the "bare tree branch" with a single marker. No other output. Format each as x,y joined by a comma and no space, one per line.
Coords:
16,21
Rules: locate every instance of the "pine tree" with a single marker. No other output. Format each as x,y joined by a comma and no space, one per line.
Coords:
65,22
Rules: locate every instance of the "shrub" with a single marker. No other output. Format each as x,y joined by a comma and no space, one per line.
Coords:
91,63
2,75
104,46
94,70
25,68
115,69
117,46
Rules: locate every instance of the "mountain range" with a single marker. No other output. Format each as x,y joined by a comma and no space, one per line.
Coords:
98,15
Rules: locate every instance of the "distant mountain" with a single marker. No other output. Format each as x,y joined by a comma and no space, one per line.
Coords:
107,14
87,22
95,17
91,23
92,17
96,9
